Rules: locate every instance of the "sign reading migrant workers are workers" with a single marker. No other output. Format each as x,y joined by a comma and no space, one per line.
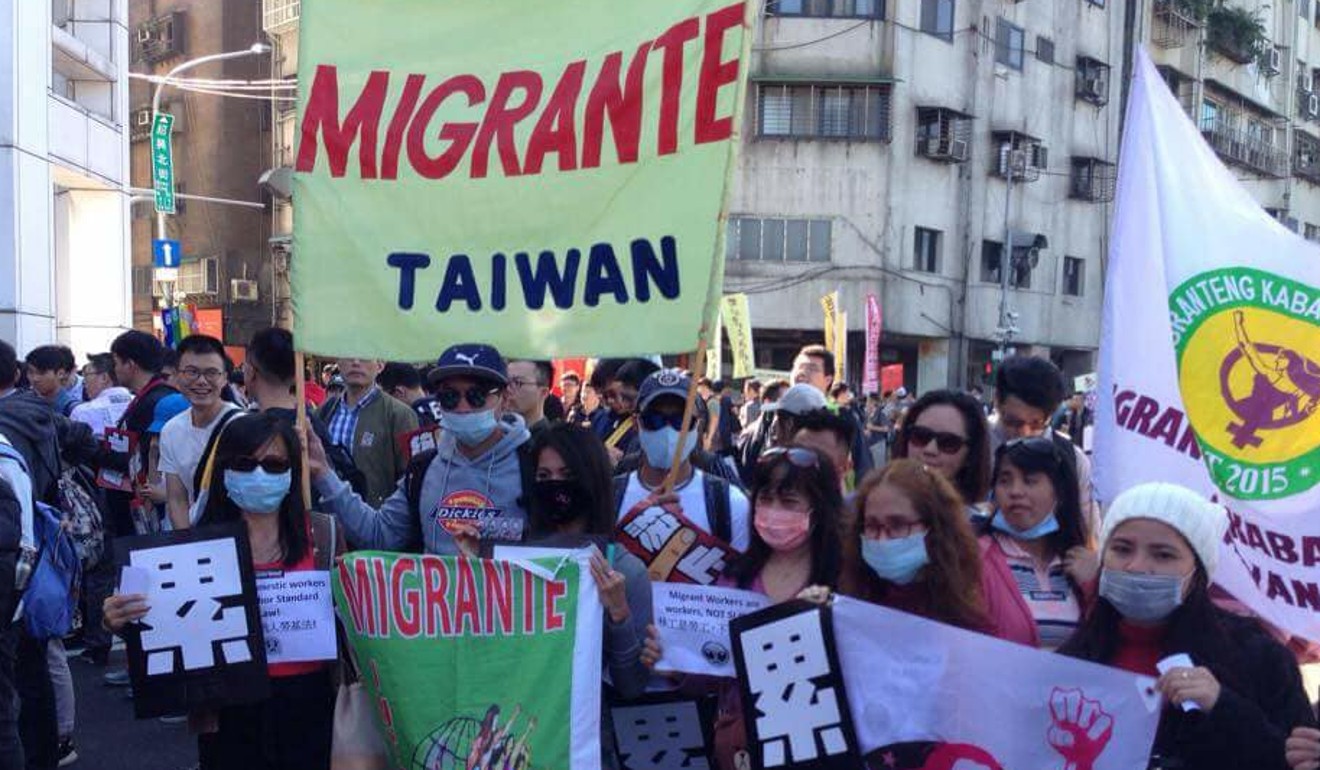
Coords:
477,663
540,177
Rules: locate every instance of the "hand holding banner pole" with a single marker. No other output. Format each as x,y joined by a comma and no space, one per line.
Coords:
689,412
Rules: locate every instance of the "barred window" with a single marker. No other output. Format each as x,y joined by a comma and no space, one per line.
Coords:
858,113
839,9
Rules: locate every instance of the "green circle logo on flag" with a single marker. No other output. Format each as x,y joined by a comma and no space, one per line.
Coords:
1248,348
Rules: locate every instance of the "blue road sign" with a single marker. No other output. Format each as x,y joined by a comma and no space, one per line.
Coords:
166,253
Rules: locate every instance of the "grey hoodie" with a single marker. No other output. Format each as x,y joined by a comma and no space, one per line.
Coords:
487,488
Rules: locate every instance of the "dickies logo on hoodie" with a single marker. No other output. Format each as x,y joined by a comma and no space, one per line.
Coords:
470,506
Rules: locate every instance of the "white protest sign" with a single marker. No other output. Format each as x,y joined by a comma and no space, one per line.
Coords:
693,622
297,615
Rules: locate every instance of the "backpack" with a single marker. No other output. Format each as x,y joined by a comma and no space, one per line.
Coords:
340,457
11,516
83,506
714,489
51,597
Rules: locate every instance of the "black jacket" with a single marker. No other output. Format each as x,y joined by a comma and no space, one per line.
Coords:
1248,726
43,436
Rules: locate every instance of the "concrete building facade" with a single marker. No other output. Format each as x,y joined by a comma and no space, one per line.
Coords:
221,147
64,239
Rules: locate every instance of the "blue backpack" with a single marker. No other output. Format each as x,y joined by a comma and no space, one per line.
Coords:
51,597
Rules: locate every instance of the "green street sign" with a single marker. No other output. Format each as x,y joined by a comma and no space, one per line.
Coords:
162,162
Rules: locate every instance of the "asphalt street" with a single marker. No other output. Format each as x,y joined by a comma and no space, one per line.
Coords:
109,738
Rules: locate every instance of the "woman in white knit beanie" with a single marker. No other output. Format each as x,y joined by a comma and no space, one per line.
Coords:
1234,706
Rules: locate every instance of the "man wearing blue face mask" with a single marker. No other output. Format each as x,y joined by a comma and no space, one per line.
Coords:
470,488
706,500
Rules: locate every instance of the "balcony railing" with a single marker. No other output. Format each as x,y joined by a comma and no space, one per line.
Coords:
1236,146
279,15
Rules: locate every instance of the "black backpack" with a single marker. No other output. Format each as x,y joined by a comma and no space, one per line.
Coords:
714,489
11,516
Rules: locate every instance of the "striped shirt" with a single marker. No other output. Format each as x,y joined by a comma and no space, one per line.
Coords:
1048,593
343,423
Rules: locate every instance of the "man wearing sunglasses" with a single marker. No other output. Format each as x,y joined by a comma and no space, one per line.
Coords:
470,486
1028,391
707,500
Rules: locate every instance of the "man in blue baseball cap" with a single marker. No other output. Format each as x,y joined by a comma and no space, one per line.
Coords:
468,489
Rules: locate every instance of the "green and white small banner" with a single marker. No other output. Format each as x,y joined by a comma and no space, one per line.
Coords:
162,161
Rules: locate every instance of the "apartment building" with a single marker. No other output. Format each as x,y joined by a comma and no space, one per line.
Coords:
221,148
64,270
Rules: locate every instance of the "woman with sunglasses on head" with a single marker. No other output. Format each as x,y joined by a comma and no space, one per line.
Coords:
256,461
1233,706
796,512
1037,541
910,547
947,432
573,497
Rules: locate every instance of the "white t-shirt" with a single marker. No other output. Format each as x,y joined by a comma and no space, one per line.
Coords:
182,444
692,501
103,411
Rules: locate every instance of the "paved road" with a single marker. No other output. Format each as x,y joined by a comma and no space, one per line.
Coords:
109,738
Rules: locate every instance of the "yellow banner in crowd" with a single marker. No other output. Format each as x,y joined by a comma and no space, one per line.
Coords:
738,325
543,181
829,307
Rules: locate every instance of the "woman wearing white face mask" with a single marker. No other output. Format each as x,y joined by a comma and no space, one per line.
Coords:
911,548
1037,540
256,462
1160,549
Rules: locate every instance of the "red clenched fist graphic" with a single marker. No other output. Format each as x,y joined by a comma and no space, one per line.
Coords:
1081,728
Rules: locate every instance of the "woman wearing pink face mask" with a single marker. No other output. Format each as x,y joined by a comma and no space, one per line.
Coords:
796,510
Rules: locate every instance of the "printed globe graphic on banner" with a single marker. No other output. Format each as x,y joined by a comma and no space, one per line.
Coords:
1249,373
467,743
447,748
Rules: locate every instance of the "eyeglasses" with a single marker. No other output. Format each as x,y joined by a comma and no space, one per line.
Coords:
1037,445
268,464
1014,423
948,443
519,382
799,457
475,396
654,421
192,373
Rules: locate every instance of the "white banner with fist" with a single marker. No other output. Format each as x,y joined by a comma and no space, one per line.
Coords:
923,692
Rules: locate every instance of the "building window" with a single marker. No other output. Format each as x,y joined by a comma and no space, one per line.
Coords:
937,18
1092,81
991,256
1306,157
1074,275
1097,3
1312,232
1093,180
1010,41
856,113
840,9
755,239
1021,156
1044,49
943,134
926,250
160,38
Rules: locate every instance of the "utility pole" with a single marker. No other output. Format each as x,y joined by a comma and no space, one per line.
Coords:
1006,329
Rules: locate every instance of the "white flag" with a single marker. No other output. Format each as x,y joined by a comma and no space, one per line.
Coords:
1210,356
917,688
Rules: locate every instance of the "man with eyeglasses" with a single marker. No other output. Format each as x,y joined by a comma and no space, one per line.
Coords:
708,501
1028,391
106,401
367,424
529,387
617,423
202,374
470,487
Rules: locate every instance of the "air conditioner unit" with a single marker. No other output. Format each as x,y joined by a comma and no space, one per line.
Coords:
144,33
931,146
1096,87
1313,105
200,277
143,119
241,290
1017,162
1273,61
959,150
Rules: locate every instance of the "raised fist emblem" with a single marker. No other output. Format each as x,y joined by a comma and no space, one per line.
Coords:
1081,728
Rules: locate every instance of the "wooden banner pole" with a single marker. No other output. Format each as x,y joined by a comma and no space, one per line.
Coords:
689,414
304,428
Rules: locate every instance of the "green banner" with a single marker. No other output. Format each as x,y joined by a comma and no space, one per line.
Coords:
536,176
477,663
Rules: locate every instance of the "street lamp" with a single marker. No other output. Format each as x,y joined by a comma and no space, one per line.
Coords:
257,49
